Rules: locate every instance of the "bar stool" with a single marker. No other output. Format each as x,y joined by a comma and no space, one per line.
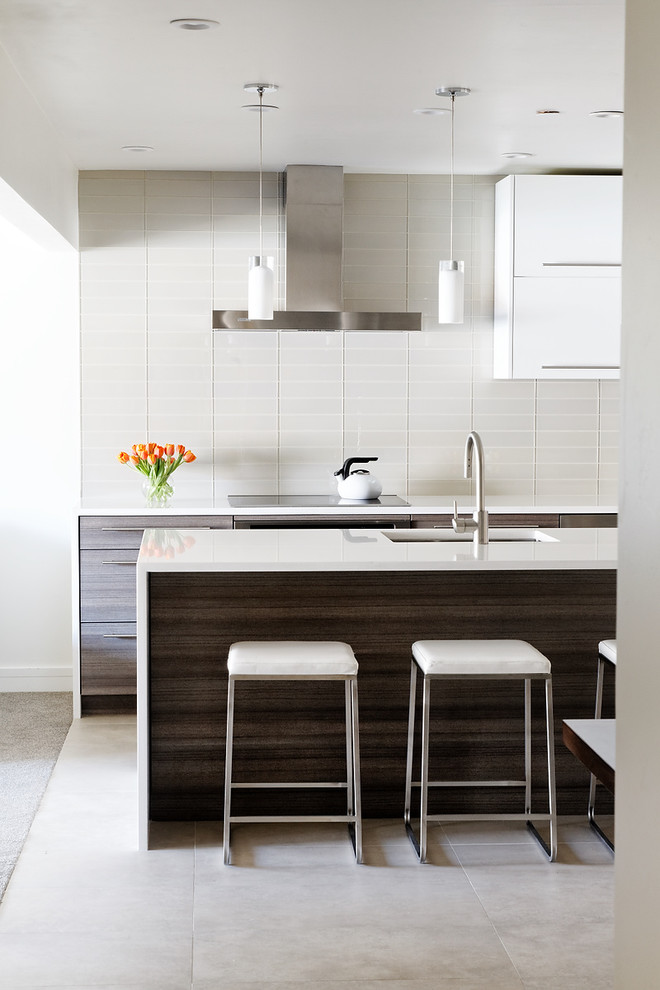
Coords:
506,659
297,661
606,656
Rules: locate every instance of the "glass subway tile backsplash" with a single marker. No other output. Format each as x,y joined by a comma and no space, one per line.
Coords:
277,412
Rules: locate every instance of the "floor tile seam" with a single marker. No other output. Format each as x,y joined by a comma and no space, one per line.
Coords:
487,913
421,983
214,873
162,881
448,937
498,935
104,932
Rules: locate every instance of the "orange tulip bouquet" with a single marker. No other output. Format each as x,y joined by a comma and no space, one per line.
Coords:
157,464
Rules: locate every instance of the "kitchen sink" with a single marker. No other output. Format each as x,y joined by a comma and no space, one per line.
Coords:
449,536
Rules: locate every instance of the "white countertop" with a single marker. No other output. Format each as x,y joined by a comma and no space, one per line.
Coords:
418,504
181,550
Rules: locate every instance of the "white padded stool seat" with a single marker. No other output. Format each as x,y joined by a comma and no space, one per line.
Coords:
607,649
479,657
291,659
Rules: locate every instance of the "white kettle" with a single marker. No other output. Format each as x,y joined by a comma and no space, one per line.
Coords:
357,485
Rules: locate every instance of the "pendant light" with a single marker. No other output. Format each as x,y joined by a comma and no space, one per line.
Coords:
261,279
451,275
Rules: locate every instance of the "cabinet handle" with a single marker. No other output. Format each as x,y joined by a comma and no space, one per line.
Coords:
141,529
580,264
119,563
122,529
119,636
581,367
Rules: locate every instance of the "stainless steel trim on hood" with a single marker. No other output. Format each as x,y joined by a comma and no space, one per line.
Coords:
314,243
237,319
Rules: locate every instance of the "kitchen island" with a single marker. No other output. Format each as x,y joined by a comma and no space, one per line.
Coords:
199,591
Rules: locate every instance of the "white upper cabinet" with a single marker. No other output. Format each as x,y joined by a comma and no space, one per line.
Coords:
567,225
557,276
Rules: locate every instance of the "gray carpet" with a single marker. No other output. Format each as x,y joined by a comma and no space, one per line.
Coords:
33,727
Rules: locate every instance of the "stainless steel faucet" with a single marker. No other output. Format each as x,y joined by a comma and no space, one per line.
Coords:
474,449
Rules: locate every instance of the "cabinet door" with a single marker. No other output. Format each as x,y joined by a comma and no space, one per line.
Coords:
107,585
110,658
566,328
567,226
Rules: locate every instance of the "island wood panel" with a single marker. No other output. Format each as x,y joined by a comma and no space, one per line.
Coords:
287,730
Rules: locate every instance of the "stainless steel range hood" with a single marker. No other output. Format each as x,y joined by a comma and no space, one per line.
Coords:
314,210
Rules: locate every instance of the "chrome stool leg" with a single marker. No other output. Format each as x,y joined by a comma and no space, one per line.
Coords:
598,711
354,773
409,750
228,766
424,770
600,678
549,847
528,746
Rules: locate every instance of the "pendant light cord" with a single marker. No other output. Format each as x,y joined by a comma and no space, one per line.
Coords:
451,180
261,175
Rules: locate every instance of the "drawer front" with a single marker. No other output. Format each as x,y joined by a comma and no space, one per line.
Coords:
322,522
109,658
431,522
97,532
581,520
542,520
107,585
530,520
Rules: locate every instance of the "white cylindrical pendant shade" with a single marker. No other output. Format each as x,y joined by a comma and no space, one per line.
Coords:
451,291
261,289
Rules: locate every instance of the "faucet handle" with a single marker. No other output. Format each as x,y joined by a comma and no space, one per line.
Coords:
458,525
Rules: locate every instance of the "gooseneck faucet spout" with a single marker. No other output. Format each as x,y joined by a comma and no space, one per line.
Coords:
474,467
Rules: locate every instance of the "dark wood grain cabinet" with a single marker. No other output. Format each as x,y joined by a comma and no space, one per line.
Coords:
107,551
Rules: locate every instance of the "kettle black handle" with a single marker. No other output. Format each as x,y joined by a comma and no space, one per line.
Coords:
345,469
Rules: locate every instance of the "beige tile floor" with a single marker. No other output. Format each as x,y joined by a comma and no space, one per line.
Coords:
84,909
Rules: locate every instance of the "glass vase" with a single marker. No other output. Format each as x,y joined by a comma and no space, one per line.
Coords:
157,493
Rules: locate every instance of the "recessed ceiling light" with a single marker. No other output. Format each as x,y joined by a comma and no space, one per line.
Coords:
606,113
517,154
137,147
194,23
432,111
541,113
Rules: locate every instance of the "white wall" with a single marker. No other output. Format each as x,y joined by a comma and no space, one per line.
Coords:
637,948
39,410
268,412
39,392
32,160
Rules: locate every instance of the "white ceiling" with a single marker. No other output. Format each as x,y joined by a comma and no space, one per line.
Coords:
109,73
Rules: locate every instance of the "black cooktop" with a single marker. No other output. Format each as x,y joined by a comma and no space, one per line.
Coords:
308,501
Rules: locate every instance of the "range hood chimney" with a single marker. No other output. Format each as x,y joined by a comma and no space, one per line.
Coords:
314,209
